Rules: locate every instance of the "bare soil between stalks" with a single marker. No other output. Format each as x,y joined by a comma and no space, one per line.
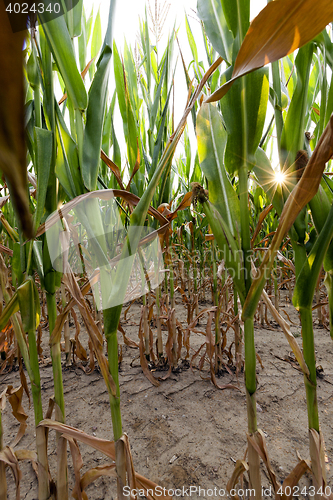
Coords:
186,432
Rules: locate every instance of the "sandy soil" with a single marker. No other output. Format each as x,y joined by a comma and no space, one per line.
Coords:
186,432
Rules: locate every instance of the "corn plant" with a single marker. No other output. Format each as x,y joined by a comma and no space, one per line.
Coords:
228,142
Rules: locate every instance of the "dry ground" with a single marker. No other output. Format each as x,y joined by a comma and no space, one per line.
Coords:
187,432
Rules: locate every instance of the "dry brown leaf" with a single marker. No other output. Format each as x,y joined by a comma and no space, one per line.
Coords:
136,166
317,454
279,29
293,478
83,74
262,217
113,167
77,465
3,399
261,441
254,452
6,250
102,445
91,475
240,467
108,448
127,341
146,484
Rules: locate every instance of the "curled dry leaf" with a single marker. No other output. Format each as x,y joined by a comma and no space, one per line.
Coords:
15,400
113,167
185,203
317,454
262,217
6,250
77,492
259,444
143,359
105,194
286,330
280,28
240,467
3,200
92,329
293,478
107,448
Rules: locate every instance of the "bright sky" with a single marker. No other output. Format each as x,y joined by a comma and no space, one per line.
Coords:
126,25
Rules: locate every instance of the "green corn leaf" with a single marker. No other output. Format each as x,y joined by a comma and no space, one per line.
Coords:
96,41
120,86
211,14
161,130
164,194
314,84
67,162
82,43
131,78
38,252
307,279
106,137
77,18
245,119
327,185
320,207
94,123
146,47
197,172
89,23
153,110
28,299
61,47
43,157
11,308
191,41
212,139
329,104
116,149
279,29
133,133
17,264
154,65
